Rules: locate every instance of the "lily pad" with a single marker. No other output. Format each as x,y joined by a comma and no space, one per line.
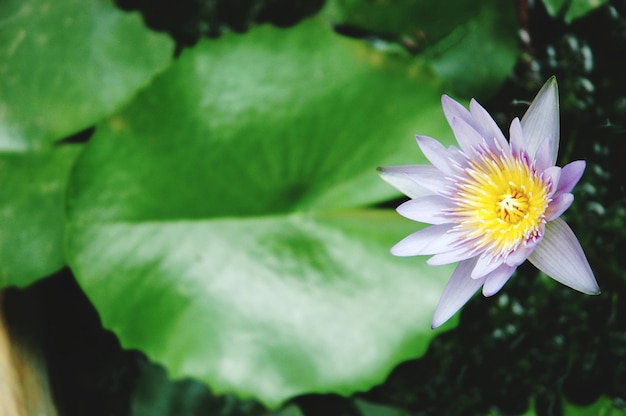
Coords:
65,64
219,223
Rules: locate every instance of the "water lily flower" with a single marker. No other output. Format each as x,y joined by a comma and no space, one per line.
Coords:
492,203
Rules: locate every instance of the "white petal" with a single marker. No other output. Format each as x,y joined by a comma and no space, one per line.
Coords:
413,180
485,265
429,209
436,153
490,129
542,120
570,175
423,241
458,291
561,257
496,279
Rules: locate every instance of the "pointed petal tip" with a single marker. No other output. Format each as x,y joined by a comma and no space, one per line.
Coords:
551,85
541,120
399,250
439,320
458,291
591,287
560,256
588,288
570,175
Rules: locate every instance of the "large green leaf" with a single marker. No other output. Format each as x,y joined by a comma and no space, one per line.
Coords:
64,64
215,222
32,217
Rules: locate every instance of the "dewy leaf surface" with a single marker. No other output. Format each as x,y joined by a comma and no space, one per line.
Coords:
32,217
217,224
65,64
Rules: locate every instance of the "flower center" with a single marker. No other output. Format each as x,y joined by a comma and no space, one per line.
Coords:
512,206
500,202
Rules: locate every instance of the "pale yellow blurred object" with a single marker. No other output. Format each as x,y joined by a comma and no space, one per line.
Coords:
24,386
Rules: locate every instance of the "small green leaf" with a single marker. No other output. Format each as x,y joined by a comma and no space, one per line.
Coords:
602,407
471,45
65,64
370,409
572,9
555,7
425,20
478,55
32,218
217,222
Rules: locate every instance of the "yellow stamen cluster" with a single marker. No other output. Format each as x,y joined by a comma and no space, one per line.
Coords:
500,203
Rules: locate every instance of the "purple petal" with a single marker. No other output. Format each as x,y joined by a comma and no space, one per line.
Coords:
485,265
467,137
458,291
518,142
413,180
436,153
445,243
429,209
453,109
430,238
552,175
452,256
570,175
558,206
561,257
488,128
518,256
496,279
542,120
